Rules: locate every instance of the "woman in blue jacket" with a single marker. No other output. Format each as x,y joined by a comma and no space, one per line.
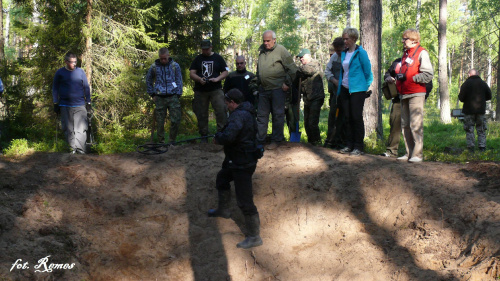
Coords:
356,76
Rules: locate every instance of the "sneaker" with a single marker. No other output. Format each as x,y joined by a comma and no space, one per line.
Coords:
345,150
272,146
415,159
356,152
403,158
387,154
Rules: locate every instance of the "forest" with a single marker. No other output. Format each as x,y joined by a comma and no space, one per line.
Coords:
117,40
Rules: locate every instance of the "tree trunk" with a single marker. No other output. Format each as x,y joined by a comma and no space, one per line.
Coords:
370,15
488,79
216,26
497,116
7,27
348,17
472,54
419,5
443,72
87,57
2,40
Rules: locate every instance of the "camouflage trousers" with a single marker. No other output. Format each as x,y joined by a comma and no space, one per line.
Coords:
173,105
478,121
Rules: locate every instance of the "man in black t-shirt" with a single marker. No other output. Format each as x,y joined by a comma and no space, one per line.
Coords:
207,71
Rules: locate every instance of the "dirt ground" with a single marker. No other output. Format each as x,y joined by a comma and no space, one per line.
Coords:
324,216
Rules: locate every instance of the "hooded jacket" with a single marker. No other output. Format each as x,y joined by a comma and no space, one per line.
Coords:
360,71
238,137
164,80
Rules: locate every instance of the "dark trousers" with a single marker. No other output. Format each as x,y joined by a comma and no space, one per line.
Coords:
332,116
336,135
395,134
291,116
271,101
352,107
312,110
242,185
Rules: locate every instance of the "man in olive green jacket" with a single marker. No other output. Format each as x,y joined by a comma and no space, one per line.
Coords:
275,73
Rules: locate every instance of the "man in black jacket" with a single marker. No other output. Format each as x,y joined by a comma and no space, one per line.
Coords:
240,79
474,93
238,138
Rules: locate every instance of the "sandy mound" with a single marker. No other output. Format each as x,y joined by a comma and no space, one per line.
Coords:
325,216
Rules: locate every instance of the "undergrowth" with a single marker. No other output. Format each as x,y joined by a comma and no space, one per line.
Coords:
442,142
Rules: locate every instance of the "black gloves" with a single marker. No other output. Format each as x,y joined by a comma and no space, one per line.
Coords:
57,109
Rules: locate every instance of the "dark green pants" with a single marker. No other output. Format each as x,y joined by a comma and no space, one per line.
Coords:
201,102
312,110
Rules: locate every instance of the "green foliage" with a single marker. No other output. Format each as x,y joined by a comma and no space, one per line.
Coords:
18,147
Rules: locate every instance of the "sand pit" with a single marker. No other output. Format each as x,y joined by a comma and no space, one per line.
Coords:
324,216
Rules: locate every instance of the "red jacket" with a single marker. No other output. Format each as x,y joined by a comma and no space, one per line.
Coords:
410,67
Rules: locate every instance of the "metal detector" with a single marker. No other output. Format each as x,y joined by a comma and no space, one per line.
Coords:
90,132
160,148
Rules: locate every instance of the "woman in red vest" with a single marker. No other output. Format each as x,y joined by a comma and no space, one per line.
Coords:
416,70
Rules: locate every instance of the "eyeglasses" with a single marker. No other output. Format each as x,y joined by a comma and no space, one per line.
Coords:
404,39
71,62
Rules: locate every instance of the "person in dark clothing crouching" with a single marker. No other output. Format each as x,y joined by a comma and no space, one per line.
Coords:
239,140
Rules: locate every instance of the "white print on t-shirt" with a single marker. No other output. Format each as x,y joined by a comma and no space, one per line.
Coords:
207,68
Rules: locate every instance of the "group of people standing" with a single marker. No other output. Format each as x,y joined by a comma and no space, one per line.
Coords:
275,89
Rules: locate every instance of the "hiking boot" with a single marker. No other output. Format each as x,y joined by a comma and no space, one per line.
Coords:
253,229
415,159
250,242
345,150
356,152
272,146
387,154
403,158
223,209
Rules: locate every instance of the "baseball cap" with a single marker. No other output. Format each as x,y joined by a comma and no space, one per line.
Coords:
205,44
235,95
303,52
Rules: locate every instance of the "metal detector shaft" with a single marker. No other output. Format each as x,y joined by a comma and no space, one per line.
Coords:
159,148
